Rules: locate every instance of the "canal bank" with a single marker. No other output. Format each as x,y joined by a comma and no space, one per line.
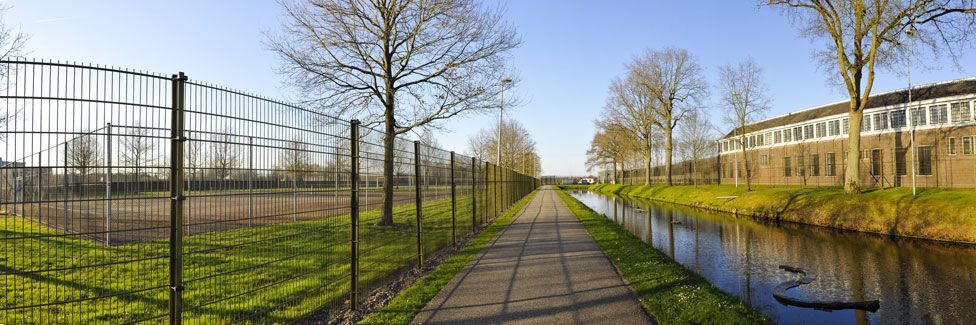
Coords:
936,214
916,281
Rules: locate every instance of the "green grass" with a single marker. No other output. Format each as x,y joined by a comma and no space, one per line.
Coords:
671,293
935,213
266,274
405,306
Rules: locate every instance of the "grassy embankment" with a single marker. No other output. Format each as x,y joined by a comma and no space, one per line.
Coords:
669,291
939,214
265,274
405,306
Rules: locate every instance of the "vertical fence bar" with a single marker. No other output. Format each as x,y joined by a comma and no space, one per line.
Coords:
108,186
353,213
250,181
453,204
176,204
420,211
474,195
487,198
66,187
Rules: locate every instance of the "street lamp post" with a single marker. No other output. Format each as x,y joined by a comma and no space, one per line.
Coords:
501,114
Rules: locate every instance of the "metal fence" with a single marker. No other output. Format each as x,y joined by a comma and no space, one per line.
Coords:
130,196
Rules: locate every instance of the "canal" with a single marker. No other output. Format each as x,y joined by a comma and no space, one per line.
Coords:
917,281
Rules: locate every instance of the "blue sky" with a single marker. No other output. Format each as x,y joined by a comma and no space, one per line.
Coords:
571,50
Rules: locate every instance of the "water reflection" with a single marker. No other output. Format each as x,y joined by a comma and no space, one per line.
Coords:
917,281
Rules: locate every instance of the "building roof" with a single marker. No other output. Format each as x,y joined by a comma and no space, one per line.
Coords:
924,92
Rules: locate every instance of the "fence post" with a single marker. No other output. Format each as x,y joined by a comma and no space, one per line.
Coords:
474,195
487,198
176,202
353,212
108,187
250,180
420,210
453,204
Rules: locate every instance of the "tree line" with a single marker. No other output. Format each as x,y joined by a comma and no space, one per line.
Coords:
662,89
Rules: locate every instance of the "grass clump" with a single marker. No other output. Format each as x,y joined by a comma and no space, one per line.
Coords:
935,213
671,293
405,306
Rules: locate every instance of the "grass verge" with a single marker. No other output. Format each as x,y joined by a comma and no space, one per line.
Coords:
935,213
405,306
669,292
265,274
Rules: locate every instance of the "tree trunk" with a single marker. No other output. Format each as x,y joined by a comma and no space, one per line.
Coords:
668,149
647,170
852,172
614,181
745,162
389,142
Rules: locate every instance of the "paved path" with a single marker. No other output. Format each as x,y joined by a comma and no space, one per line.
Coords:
544,268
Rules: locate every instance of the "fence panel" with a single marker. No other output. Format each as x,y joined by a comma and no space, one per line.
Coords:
249,199
74,241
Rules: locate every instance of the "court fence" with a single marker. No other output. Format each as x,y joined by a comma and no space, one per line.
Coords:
129,196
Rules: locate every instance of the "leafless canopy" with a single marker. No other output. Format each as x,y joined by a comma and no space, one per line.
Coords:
421,60
518,148
744,95
674,80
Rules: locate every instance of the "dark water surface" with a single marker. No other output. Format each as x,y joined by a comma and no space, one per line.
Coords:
917,281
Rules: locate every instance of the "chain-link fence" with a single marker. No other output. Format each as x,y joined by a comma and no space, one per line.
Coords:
129,196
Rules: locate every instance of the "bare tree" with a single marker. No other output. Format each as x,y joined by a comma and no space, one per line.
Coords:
698,138
631,107
744,94
11,44
403,64
612,144
518,150
84,154
137,149
295,160
862,35
674,79
224,159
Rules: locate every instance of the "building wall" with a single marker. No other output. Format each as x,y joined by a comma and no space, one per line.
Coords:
880,151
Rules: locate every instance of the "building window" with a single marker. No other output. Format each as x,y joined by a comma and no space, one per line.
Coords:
808,131
900,159
881,121
898,118
967,145
778,136
797,134
876,162
764,160
752,141
939,114
821,129
787,167
846,123
815,165
960,112
834,127
800,167
918,116
865,154
866,123
924,160
830,163
787,135
952,146
768,139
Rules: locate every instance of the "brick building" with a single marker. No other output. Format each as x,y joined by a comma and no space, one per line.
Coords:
809,147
